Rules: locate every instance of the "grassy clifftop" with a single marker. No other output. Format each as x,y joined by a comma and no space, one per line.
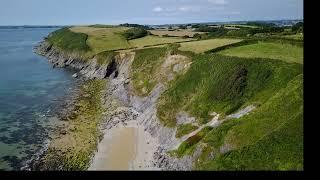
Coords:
222,76
69,41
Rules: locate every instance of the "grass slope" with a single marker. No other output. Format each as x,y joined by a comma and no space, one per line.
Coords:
271,138
69,41
104,39
184,129
187,147
222,84
281,51
144,68
105,57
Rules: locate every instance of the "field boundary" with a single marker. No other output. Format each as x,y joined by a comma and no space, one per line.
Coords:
256,40
241,43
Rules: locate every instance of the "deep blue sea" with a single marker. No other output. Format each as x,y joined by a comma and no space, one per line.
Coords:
29,89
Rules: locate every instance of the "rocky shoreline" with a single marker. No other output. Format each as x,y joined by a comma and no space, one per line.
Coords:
64,107
89,69
123,106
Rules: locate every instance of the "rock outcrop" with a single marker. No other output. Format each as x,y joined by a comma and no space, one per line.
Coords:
88,68
122,105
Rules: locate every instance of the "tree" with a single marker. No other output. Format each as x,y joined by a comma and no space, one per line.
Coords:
298,27
182,27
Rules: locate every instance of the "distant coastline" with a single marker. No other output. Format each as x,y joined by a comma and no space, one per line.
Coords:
27,26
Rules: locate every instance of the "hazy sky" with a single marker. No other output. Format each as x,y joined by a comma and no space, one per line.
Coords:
74,12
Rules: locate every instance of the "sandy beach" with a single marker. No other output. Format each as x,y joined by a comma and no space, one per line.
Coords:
125,148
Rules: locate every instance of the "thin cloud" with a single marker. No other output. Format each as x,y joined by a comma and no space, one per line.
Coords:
157,9
218,2
189,8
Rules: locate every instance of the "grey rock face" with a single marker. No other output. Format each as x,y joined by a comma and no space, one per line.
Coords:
90,69
122,105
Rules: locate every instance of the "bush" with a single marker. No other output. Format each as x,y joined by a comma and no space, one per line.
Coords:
135,33
298,27
197,36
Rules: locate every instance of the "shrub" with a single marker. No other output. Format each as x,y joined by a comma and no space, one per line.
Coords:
135,33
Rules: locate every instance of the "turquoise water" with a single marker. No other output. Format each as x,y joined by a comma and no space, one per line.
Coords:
29,91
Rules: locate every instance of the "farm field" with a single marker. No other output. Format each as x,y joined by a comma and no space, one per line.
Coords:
285,52
205,45
155,40
295,36
240,26
175,33
103,39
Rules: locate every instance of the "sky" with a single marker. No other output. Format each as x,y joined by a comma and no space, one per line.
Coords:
83,12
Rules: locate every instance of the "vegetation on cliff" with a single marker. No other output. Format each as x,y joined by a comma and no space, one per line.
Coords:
224,75
144,68
69,41
221,84
271,138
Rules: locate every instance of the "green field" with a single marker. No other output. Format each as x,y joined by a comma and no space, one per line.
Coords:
205,45
107,39
281,51
155,40
104,39
179,33
294,36
66,40
241,26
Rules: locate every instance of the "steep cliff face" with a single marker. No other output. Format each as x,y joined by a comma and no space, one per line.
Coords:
89,68
122,104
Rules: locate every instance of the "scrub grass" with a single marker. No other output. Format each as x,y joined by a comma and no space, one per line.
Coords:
144,68
69,41
184,129
271,138
223,84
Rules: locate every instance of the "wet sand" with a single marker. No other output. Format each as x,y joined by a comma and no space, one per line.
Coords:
124,148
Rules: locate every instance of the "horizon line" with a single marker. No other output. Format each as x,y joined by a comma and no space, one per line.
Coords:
156,24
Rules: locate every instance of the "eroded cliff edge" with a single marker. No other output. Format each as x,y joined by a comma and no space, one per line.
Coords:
122,106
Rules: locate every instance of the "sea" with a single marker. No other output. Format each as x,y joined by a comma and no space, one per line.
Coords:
30,89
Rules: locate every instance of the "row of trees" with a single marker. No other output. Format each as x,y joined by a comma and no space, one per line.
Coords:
136,26
135,33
